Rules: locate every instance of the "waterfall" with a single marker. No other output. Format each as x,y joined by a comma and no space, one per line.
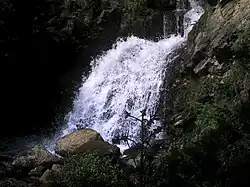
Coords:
126,78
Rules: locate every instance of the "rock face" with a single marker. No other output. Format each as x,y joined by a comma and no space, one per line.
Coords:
148,18
71,142
213,36
207,103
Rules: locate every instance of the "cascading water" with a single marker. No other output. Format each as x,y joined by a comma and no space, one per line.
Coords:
126,78
121,80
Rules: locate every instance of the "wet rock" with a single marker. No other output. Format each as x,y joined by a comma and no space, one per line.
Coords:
75,141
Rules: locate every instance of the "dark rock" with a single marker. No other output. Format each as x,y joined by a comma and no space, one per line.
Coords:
164,5
133,162
223,2
5,157
56,168
38,171
133,151
154,147
202,67
53,41
212,2
101,147
37,156
50,177
47,178
11,182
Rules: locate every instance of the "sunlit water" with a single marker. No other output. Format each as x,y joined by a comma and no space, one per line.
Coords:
126,78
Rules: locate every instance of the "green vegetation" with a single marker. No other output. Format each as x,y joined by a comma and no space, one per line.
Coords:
91,170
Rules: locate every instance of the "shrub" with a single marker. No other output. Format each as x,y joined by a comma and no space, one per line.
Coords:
242,45
90,170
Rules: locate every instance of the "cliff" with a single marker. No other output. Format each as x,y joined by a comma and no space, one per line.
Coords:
206,104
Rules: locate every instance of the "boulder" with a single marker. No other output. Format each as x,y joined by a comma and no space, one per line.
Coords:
47,178
51,176
56,168
75,141
37,172
37,156
101,147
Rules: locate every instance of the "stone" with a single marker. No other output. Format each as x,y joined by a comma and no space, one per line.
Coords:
202,67
11,182
101,147
132,163
38,171
74,141
178,122
56,167
47,177
37,156
50,176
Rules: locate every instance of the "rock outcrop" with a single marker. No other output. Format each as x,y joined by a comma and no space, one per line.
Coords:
215,33
85,141
73,141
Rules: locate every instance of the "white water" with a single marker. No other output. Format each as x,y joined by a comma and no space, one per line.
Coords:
123,79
